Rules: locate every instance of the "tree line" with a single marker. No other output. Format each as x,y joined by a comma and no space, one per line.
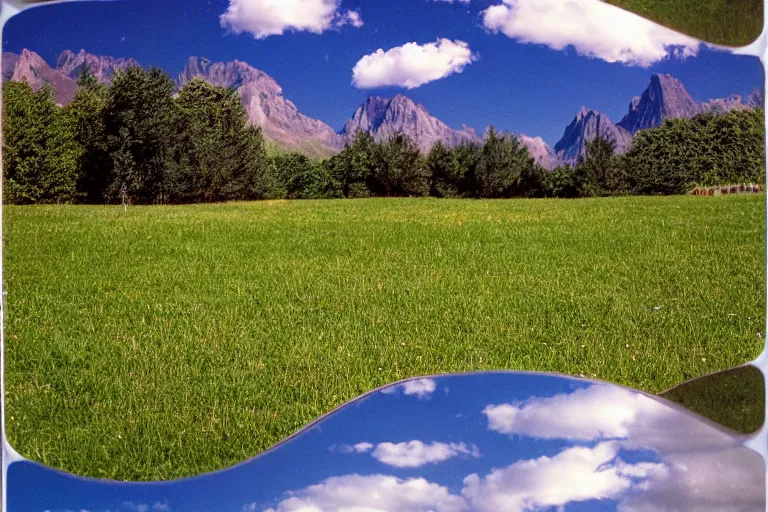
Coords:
140,140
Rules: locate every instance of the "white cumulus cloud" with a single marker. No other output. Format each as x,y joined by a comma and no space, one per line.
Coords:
264,18
575,474
372,493
603,412
414,454
421,388
592,27
728,479
597,412
412,65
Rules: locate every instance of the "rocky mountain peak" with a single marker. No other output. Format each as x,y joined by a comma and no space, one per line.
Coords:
384,117
585,127
723,105
29,67
585,112
9,64
664,98
265,105
756,99
227,74
539,150
70,63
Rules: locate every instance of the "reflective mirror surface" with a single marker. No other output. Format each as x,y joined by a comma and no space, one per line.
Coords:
481,442
726,22
734,398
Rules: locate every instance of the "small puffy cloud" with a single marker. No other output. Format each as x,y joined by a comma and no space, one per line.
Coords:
347,449
362,447
594,28
414,454
372,493
421,388
575,474
264,18
412,65
352,18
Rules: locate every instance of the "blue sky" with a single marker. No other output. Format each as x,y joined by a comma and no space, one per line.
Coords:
486,442
528,87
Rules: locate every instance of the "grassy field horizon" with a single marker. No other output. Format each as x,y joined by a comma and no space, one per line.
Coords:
166,341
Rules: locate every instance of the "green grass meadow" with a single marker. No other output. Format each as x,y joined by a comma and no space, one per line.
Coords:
162,342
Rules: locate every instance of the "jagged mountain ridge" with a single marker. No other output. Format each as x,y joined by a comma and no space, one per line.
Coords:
585,127
266,106
664,98
539,150
384,117
103,67
283,124
31,68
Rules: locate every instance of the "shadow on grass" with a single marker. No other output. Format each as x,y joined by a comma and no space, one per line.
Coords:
733,398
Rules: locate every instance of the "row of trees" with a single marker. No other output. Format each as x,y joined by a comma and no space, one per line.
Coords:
133,141
502,167
141,141
706,150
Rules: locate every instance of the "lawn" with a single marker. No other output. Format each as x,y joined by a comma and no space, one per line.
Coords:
166,341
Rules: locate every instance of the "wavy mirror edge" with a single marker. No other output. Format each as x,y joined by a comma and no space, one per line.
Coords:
470,442
733,398
731,23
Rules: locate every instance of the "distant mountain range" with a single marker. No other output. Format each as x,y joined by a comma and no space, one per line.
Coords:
282,123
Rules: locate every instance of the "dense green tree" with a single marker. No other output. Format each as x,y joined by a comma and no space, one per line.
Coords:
445,171
87,113
402,171
562,182
503,166
354,166
261,180
139,127
737,147
708,149
303,178
600,171
467,155
215,156
534,181
40,155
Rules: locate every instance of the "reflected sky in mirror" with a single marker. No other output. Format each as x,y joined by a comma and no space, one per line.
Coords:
483,442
